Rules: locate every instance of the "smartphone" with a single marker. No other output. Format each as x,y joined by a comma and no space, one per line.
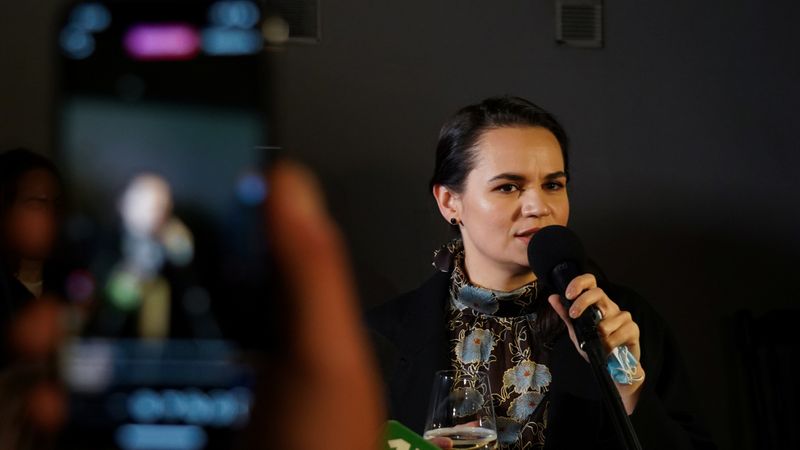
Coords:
162,139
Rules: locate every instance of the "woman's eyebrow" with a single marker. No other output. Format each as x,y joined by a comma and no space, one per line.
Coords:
517,177
556,175
508,176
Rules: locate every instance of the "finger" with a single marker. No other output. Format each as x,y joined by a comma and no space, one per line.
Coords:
628,335
555,302
594,296
311,258
441,442
579,284
611,322
329,361
38,329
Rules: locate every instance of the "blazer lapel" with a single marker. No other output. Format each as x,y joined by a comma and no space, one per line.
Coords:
422,350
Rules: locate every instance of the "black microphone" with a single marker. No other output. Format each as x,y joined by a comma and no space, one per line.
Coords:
556,256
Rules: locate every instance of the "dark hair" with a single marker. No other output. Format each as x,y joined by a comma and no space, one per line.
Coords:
455,152
14,164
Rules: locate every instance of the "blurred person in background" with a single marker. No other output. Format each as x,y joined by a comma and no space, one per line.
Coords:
322,391
30,217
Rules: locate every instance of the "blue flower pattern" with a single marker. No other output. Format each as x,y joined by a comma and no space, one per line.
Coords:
523,406
476,347
508,430
491,331
472,297
466,401
526,376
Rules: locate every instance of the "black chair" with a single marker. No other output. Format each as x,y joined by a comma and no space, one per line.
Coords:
770,352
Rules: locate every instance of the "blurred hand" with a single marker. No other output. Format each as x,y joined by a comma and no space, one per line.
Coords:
329,395
616,328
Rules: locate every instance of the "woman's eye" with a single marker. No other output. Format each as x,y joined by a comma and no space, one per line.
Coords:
507,188
553,186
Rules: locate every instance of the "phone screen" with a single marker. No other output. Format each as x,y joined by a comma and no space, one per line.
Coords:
162,141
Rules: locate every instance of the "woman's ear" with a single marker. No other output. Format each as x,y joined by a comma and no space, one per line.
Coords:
449,202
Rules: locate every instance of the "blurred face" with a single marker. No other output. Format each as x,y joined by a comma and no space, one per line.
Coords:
146,204
31,224
517,186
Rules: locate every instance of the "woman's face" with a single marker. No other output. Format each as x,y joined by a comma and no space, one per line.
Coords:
517,186
31,223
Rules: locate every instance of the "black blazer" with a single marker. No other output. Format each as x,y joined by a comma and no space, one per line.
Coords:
411,342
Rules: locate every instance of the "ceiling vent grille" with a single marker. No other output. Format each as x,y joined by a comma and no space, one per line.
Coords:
579,23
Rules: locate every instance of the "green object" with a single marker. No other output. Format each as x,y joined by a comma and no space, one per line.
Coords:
124,290
399,437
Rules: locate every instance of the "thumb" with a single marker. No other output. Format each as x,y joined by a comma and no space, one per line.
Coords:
555,302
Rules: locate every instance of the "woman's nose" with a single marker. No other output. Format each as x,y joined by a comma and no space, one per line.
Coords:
533,204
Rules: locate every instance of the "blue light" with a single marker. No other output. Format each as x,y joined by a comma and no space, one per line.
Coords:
145,405
244,401
175,404
93,17
251,189
192,406
160,437
226,407
227,41
199,410
76,43
235,14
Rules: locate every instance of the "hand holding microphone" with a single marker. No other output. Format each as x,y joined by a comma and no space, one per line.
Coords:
557,258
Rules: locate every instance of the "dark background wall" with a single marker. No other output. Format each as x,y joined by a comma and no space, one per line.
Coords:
685,181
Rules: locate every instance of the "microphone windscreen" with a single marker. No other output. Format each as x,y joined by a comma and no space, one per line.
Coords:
551,246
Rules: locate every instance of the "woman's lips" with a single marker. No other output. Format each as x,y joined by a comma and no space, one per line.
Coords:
525,236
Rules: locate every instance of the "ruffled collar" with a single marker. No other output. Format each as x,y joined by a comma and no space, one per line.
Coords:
466,295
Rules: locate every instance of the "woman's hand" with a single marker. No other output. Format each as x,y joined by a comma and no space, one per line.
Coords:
442,442
616,328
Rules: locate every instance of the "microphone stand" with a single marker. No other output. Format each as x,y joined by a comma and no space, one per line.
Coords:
586,332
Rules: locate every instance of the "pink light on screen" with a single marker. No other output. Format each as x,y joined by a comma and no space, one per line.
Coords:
162,41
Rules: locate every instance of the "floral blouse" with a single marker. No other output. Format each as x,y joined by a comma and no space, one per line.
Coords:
491,331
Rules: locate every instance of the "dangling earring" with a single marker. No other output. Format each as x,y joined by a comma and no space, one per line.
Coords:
453,221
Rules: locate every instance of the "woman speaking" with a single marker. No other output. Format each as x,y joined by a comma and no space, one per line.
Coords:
502,174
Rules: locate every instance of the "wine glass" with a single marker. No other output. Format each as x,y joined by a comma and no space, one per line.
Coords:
461,410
